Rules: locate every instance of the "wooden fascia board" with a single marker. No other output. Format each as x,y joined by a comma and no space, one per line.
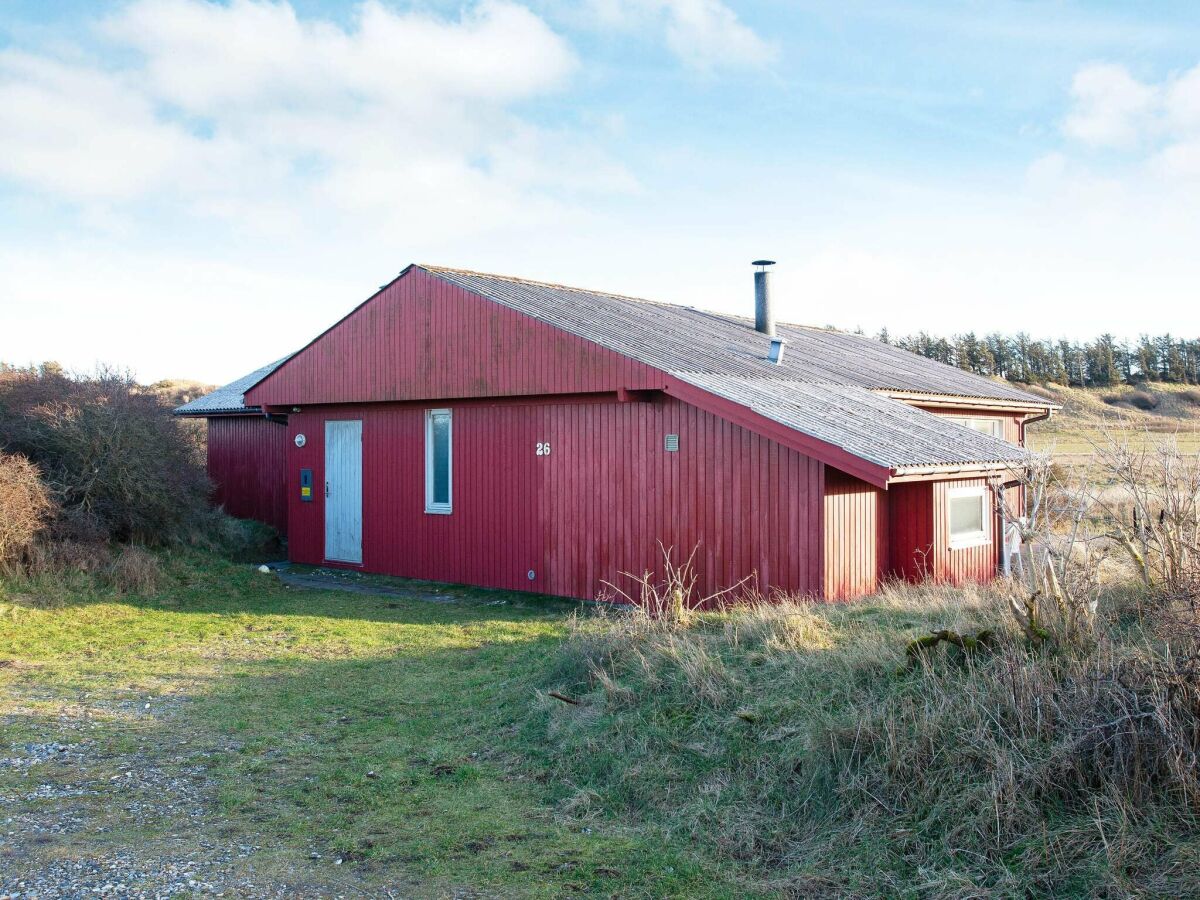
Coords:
917,398
830,454
944,473
219,414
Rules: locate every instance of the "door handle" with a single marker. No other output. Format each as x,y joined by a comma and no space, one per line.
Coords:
327,489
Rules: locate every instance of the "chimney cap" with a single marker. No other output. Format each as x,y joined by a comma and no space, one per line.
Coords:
763,262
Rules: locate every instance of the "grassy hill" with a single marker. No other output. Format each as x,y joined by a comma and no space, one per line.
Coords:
1143,413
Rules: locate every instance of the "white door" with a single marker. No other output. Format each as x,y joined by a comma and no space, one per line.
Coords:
343,491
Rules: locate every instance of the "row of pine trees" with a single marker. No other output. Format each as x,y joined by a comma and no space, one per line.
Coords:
1102,362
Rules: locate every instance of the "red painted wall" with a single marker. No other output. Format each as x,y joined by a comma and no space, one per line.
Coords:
422,337
597,506
856,536
1012,420
920,535
959,566
910,517
246,461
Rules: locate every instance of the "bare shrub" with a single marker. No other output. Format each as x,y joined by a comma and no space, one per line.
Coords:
25,506
673,599
1150,501
1144,400
1055,588
113,454
135,571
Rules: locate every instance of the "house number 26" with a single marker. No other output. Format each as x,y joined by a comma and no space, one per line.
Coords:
543,448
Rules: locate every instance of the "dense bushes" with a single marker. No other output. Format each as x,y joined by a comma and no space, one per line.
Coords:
25,505
94,475
119,466
1146,401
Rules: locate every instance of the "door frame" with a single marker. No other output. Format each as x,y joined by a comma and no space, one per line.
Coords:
325,507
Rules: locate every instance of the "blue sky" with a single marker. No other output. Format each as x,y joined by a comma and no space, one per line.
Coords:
191,189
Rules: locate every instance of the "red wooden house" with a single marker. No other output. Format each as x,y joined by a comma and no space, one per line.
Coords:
496,431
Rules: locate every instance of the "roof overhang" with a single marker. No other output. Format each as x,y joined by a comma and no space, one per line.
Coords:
217,413
873,473
1005,471
962,402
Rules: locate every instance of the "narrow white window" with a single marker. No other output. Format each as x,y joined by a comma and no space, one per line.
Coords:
969,518
439,467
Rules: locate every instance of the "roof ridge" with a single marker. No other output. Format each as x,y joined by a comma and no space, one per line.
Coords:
550,284
515,279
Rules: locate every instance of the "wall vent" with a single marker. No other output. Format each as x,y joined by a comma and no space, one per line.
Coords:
672,443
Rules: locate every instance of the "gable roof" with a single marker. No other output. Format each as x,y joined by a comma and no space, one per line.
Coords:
835,396
684,339
834,387
229,399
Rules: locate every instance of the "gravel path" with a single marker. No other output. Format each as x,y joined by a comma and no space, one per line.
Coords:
78,819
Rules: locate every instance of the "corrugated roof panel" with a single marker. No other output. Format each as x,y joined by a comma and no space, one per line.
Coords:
681,338
229,398
866,424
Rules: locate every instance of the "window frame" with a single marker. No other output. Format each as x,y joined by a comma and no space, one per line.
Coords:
996,422
432,506
971,538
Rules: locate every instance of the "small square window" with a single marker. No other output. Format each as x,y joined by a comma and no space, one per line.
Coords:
672,443
969,519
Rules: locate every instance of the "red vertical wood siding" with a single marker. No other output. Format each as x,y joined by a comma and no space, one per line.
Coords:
920,536
596,507
910,517
247,462
963,565
856,536
1012,420
422,337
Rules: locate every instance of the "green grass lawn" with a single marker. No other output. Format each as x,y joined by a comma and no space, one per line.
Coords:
1082,442
306,727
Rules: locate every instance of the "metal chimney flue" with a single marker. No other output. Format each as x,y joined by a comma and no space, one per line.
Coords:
764,316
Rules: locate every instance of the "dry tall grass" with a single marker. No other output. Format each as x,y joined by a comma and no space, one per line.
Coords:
1040,736
799,739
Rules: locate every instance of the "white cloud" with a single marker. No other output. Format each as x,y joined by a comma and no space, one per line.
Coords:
81,132
248,113
704,34
1154,126
1111,107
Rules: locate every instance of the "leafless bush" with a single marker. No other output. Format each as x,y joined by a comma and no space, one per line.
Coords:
1055,589
1151,509
673,599
1143,400
1137,499
25,506
114,456
1137,728
135,571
